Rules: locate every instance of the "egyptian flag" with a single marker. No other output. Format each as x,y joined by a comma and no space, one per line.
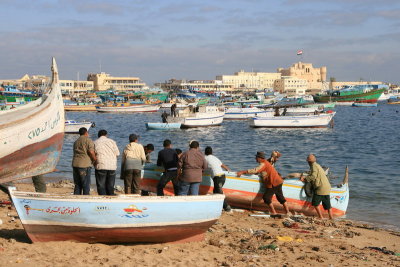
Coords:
299,52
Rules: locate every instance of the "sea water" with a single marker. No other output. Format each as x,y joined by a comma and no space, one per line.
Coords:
367,139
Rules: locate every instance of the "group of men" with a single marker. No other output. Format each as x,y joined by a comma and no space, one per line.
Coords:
184,170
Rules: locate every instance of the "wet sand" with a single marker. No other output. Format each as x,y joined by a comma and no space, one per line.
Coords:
238,239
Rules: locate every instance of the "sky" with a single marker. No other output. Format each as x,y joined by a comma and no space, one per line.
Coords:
198,40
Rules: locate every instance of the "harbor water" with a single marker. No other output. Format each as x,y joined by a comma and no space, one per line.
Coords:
365,139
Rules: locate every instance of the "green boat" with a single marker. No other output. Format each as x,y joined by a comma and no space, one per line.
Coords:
360,93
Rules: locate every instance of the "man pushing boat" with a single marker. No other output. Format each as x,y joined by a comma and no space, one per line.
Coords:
272,182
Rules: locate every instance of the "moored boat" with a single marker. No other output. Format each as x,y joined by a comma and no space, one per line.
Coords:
116,219
32,135
127,107
247,191
201,116
80,106
362,104
364,93
300,121
394,100
239,113
162,126
72,126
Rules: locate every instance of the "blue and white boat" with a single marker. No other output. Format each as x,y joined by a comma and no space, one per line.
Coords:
116,219
364,104
162,126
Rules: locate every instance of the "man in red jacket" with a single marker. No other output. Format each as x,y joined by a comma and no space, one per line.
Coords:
272,182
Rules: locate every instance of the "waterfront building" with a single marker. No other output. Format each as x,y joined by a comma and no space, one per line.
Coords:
315,77
103,81
72,87
291,86
250,80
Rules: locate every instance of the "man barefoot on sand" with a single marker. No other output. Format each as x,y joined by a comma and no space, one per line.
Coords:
321,186
272,181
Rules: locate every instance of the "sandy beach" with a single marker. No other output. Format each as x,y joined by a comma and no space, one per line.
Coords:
240,238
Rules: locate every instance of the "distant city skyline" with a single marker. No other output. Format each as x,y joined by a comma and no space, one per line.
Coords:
198,40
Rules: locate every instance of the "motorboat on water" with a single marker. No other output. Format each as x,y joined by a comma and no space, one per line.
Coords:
242,113
200,116
320,120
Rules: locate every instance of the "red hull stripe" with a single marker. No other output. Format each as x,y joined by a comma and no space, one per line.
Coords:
34,159
154,234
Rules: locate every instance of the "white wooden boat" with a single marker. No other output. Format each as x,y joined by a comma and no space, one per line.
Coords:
238,113
304,121
116,219
163,126
31,136
205,116
126,107
72,126
247,191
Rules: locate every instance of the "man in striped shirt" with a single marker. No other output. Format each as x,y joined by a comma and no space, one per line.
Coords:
106,152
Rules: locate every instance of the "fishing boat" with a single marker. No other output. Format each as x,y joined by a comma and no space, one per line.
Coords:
394,100
127,107
364,93
239,113
247,191
32,135
302,110
364,104
199,117
298,121
72,126
162,126
79,106
116,219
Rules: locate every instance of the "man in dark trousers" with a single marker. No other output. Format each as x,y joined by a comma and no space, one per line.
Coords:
168,158
83,159
191,165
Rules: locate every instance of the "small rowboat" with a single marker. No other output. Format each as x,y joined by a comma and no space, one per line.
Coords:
247,191
116,219
162,126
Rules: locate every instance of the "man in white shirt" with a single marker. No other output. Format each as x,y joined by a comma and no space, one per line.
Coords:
106,152
217,174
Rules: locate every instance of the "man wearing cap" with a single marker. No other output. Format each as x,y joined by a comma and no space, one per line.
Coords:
191,165
272,182
321,186
133,159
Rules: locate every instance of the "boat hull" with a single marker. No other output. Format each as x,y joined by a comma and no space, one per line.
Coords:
247,191
162,126
210,120
309,121
74,127
371,96
133,108
31,136
80,107
116,219
244,113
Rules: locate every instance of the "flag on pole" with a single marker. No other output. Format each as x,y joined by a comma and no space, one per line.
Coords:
299,52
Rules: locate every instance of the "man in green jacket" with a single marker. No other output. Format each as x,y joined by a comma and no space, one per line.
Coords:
321,186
